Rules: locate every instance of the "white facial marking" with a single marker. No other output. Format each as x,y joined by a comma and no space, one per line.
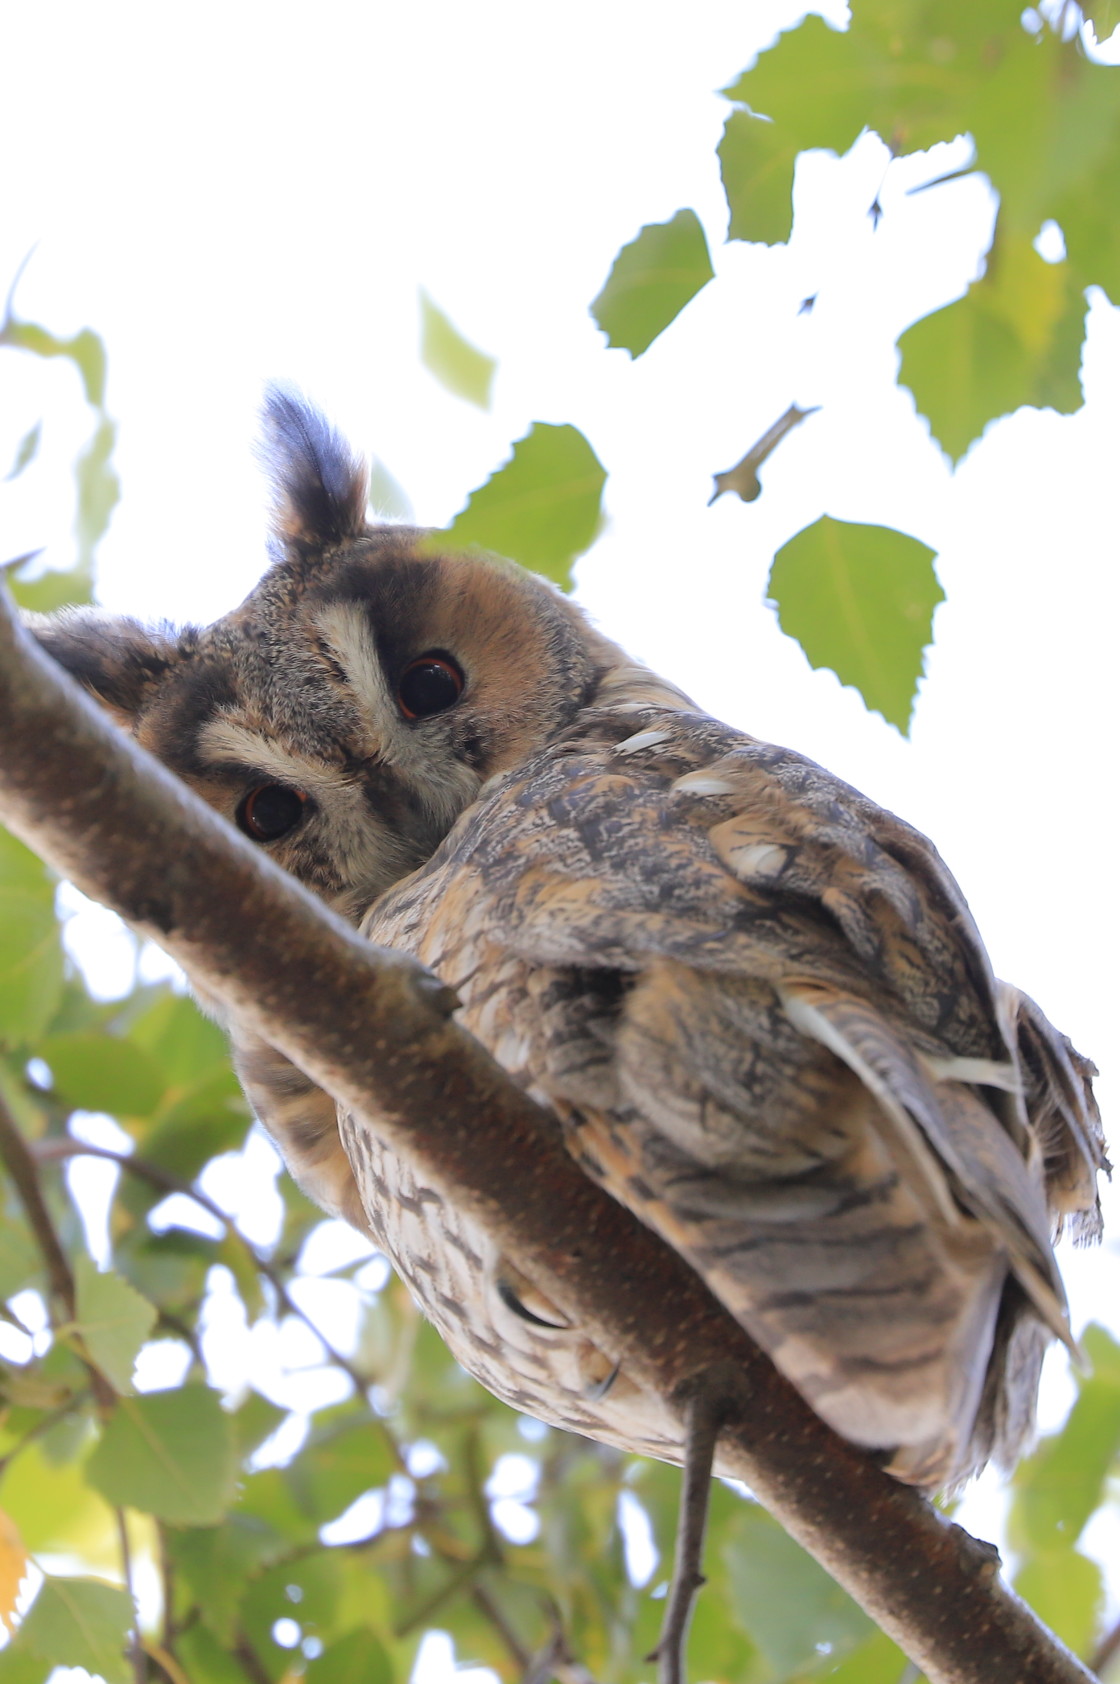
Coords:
222,739
350,639
363,852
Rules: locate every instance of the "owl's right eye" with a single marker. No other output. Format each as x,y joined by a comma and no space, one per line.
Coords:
271,811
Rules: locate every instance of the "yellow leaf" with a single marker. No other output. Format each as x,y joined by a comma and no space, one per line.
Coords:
13,1568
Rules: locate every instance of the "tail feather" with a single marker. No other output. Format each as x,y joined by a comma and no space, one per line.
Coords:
946,1136
1059,1096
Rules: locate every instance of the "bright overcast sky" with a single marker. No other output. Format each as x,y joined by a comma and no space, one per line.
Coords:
232,193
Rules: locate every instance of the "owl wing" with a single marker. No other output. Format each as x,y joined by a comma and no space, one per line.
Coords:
761,1009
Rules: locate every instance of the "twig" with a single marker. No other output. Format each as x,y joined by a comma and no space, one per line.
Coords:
489,1609
554,1659
375,1032
165,1660
8,1314
43,1425
460,1576
541,1667
244,1652
50,1151
21,1167
743,477
135,1648
705,1410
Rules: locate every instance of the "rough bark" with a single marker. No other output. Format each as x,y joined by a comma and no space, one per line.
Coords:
374,1030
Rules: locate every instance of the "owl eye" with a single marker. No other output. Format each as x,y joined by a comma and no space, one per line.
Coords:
271,811
430,684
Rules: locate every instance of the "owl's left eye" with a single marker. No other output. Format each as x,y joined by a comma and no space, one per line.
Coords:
430,684
271,811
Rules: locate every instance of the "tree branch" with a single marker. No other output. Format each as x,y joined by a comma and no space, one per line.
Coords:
20,1165
154,1175
16,1155
373,1029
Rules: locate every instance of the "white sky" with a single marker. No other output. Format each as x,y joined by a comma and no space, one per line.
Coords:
229,194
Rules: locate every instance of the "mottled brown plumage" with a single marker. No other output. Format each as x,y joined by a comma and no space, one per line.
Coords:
755,1003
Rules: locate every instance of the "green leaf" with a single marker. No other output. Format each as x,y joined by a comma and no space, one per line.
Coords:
328,1593
85,350
1059,1487
213,1108
860,600
30,950
878,1661
188,1047
357,1658
1045,120
542,507
168,1268
1104,17
207,1661
330,1474
26,451
20,1261
99,1072
256,1420
170,1454
99,490
802,93
717,1645
81,1622
790,1606
217,1563
190,1130
1015,338
267,1497
54,1508
53,589
113,1320
387,495
651,281
756,164
1066,1591
456,364
1085,214
19,1666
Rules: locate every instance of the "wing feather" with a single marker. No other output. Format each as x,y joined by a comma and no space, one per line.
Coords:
762,1011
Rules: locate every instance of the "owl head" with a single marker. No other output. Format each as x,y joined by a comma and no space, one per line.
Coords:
355,703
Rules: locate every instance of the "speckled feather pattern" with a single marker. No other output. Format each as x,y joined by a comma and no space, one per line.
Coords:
590,915
755,1003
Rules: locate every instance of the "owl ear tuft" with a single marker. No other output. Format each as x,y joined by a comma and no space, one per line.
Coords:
119,661
320,485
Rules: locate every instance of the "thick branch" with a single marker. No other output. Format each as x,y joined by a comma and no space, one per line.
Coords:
373,1030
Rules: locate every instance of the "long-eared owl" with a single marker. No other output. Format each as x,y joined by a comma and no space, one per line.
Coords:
755,1003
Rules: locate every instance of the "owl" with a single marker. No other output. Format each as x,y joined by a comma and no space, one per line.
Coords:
754,1004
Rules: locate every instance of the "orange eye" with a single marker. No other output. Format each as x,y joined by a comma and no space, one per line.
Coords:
271,811
430,684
